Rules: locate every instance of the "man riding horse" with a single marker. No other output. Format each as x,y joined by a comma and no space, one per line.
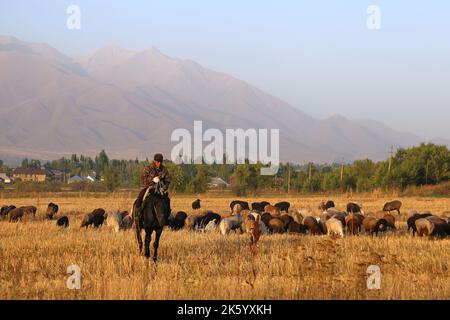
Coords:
155,182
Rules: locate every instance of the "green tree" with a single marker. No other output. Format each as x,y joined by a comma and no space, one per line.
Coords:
111,179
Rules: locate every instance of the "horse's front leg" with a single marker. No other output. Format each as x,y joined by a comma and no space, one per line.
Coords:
156,244
148,238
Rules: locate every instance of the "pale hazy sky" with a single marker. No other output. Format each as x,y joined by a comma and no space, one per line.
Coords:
317,55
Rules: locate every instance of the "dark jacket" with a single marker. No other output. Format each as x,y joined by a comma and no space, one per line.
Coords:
151,172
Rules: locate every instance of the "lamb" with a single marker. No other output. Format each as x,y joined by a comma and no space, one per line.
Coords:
334,226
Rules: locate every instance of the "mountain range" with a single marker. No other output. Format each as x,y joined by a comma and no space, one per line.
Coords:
128,103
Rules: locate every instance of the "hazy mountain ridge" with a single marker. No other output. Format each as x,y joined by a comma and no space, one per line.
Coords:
129,103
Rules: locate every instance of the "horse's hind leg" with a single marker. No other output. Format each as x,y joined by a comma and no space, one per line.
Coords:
156,244
148,238
139,239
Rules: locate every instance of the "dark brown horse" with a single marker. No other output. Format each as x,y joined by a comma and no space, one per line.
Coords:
152,219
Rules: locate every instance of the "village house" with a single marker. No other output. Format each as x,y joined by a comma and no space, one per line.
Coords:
4,178
218,183
29,174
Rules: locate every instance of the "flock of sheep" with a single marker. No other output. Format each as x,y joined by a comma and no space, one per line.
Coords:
334,222
264,218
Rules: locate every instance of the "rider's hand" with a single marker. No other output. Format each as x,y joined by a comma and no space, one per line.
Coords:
156,179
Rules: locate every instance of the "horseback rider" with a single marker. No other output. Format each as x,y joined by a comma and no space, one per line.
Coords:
155,180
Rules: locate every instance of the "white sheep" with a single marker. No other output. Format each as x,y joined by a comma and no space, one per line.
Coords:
334,226
231,223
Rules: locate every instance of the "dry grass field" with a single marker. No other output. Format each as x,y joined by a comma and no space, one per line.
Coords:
34,256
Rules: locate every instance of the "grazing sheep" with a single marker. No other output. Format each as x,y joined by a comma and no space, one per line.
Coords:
5,210
295,227
211,226
441,230
265,218
114,220
231,223
127,222
411,222
259,206
298,217
436,220
283,206
373,225
389,218
178,221
341,217
196,204
354,207
16,214
63,222
354,222
52,210
424,227
200,221
244,204
276,225
324,206
274,211
287,219
191,221
29,210
95,218
334,226
312,225
393,206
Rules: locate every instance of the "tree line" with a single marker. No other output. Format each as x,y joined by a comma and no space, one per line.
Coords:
427,164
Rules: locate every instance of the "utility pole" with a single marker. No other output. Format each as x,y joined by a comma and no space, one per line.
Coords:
289,178
391,153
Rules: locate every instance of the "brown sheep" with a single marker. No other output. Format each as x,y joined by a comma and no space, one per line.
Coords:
388,217
16,214
265,218
29,210
274,211
393,206
276,225
411,222
424,227
178,221
298,217
373,225
287,219
52,210
95,218
324,206
295,227
312,225
354,222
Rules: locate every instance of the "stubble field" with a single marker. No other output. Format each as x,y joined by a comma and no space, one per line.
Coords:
35,254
